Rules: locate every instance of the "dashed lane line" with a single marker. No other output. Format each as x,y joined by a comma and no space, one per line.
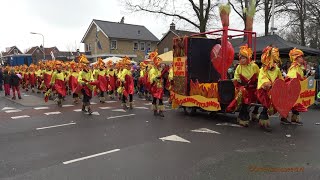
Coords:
52,113
127,115
13,111
91,156
19,117
60,125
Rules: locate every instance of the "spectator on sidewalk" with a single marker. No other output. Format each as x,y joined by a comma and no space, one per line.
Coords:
14,83
6,81
1,79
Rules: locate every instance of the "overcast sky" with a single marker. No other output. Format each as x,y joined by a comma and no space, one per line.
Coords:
64,22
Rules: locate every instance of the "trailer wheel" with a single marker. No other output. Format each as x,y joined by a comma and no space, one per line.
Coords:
190,111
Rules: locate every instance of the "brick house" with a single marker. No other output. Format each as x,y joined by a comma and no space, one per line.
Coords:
36,53
106,39
165,44
14,50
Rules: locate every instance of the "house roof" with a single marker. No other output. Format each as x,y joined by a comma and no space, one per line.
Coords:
178,33
10,51
123,31
31,50
275,40
47,51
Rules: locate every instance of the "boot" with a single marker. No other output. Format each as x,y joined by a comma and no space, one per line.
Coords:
59,102
33,91
155,109
19,97
264,121
265,124
295,119
83,108
284,121
124,105
90,110
13,98
76,100
102,99
254,117
161,109
131,105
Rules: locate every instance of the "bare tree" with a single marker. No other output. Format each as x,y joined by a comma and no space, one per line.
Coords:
196,13
240,7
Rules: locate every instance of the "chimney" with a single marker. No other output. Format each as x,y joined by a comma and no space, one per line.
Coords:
172,26
122,20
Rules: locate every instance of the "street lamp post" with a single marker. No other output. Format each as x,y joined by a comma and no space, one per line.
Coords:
44,54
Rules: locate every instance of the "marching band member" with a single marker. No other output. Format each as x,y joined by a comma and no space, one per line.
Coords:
100,76
32,77
111,74
73,81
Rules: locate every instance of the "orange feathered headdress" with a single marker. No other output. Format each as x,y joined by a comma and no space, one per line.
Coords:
83,59
126,61
153,56
246,52
109,63
100,63
270,57
294,53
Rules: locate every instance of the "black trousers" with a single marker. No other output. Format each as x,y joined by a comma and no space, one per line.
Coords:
124,98
86,98
154,101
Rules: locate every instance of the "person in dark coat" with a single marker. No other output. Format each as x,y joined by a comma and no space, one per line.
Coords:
14,83
6,81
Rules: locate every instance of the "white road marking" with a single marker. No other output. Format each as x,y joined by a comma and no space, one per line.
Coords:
77,110
93,103
148,104
41,108
96,113
91,156
111,101
48,127
113,117
52,113
228,124
7,108
105,107
141,108
174,138
19,117
119,110
26,95
13,111
165,101
67,105
205,130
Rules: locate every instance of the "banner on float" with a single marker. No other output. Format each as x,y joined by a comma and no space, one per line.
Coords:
308,92
209,104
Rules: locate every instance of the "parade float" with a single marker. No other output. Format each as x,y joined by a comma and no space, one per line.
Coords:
200,66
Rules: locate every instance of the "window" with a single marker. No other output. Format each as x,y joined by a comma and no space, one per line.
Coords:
165,50
114,44
88,47
135,46
15,51
139,32
149,46
142,46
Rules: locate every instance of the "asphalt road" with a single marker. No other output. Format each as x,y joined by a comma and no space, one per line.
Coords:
113,144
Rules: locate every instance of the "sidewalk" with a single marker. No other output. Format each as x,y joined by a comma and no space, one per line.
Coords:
30,100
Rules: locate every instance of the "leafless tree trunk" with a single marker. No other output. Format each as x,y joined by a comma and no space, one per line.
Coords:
202,10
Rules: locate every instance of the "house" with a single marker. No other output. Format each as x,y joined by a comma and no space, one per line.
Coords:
106,39
5,55
36,53
166,42
50,51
